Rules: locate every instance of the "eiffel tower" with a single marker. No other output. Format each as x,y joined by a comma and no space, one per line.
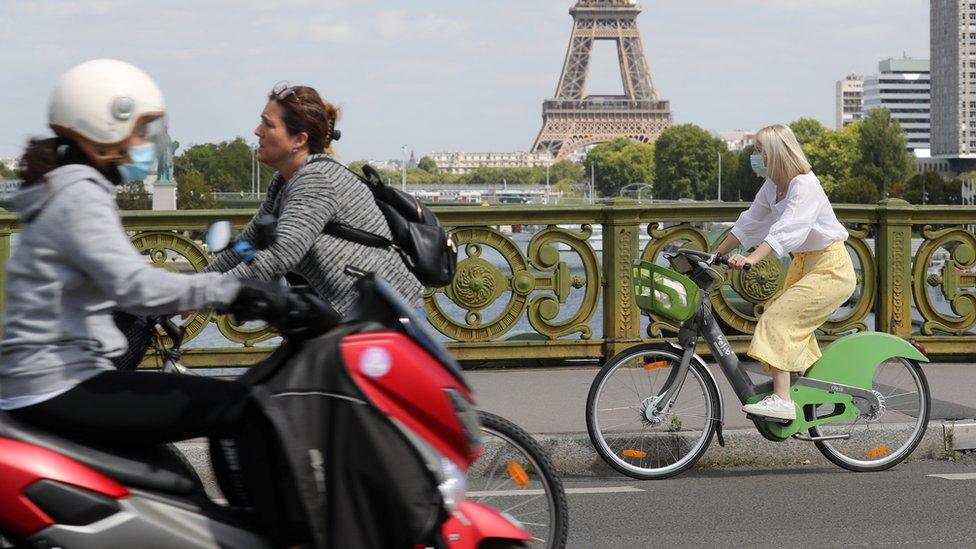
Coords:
573,120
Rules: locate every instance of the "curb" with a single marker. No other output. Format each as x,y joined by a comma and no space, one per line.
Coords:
573,455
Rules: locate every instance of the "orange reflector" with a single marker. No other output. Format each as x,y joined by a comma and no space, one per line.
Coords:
878,452
634,454
656,364
518,474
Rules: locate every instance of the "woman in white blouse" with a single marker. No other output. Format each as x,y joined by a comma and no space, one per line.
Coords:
791,214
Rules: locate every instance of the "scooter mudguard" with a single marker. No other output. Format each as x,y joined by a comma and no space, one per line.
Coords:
851,360
473,523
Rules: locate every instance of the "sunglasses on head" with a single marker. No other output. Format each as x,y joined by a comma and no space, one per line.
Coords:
283,90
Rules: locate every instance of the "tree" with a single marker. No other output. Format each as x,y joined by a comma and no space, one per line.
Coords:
859,190
833,154
224,166
619,163
937,189
884,157
428,165
7,173
807,130
742,183
193,193
686,160
566,173
133,196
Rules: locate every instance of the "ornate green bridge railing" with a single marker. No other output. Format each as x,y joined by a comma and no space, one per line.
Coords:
561,289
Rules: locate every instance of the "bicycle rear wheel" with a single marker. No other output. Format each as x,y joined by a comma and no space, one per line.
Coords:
616,413
879,439
515,476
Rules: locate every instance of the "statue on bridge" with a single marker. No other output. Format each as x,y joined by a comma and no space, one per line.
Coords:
164,169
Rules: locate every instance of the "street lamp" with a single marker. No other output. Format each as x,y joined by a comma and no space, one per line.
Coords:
403,179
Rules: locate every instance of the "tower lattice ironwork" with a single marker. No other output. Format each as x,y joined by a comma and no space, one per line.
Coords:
573,119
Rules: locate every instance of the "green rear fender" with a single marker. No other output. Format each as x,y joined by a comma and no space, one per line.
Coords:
852,360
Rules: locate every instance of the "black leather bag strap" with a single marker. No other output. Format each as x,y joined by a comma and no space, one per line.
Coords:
346,232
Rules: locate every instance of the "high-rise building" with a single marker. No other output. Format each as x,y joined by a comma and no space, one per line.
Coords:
902,86
850,99
953,50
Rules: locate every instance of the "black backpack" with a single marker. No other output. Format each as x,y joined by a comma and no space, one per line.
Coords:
424,245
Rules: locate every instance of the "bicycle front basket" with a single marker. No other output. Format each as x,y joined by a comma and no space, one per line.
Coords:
661,291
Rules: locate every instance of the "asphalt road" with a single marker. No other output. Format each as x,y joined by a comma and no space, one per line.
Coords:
781,507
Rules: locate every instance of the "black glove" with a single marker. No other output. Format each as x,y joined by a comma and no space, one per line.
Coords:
259,300
307,316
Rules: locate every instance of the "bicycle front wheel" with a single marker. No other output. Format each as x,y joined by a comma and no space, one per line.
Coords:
879,439
515,476
665,444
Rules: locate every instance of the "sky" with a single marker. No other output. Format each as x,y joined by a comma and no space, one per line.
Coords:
449,75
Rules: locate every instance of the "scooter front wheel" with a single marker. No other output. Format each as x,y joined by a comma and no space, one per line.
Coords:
642,444
515,476
878,439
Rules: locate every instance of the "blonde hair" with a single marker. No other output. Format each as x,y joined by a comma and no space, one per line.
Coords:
783,155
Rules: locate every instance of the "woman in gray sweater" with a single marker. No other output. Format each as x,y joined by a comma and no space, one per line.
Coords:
308,191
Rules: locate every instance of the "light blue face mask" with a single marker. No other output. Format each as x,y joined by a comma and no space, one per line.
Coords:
758,165
142,158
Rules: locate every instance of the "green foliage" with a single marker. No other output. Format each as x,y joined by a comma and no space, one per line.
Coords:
224,166
807,130
686,160
428,165
619,163
937,189
859,190
564,175
133,196
833,154
883,157
742,183
7,173
193,192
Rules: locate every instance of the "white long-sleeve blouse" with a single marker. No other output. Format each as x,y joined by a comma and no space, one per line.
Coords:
803,221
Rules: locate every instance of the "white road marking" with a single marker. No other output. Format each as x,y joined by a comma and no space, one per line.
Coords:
598,490
955,476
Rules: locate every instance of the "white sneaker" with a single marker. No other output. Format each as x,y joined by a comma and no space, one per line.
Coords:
772,406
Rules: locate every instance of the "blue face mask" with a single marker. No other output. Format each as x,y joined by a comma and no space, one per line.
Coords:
758,165
142,158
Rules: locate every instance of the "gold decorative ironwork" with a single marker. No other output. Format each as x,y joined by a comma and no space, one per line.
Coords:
478,284
158,245
544,257
957,280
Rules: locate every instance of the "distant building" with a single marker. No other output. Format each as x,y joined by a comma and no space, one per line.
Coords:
969,192
849,100
952,36
462,163
902,86
736,140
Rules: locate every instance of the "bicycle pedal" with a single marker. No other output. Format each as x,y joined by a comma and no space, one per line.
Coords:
775,420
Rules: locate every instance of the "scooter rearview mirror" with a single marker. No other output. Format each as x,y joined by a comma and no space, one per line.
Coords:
218,236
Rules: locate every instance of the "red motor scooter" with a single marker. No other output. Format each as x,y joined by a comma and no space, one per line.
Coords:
379,429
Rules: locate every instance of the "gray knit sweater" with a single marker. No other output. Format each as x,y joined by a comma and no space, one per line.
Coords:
318,193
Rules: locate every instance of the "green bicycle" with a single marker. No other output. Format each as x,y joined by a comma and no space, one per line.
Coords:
653,409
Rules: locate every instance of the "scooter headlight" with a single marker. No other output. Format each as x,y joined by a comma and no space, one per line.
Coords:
468,417
453,486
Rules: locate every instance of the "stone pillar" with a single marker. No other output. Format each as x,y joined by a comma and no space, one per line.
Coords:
164,195
894,256
621,246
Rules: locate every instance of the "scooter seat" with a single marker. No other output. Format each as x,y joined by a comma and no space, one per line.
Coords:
159,468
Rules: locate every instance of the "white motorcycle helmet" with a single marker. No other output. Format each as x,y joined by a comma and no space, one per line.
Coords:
100,103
